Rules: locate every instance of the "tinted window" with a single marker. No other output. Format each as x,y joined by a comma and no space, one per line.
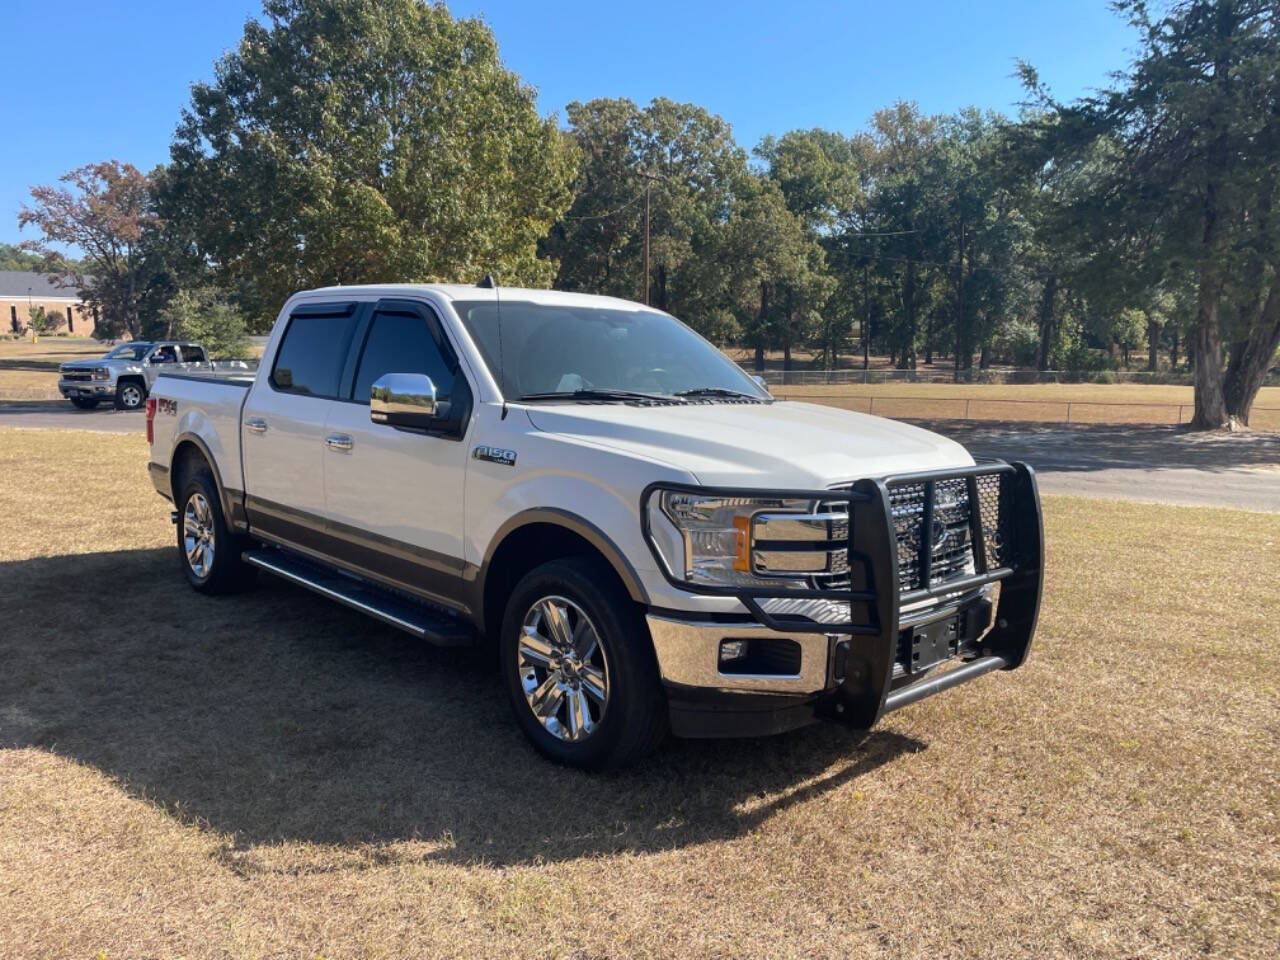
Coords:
192,354
129,351
311,355
402,343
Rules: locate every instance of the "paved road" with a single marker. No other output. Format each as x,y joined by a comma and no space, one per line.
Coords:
1162,464
1151,463
61,415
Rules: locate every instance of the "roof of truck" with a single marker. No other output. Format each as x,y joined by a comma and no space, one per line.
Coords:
459,291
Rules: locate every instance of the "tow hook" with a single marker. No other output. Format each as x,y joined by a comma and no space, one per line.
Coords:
173,517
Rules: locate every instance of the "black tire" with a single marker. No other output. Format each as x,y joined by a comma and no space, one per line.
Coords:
130,395
83,403
633,718
198,501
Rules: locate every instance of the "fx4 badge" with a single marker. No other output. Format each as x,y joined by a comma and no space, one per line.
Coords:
495,455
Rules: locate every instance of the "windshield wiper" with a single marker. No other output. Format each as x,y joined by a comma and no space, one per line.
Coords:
717,392
600,394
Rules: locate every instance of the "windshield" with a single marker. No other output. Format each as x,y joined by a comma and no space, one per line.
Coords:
128,351
555,349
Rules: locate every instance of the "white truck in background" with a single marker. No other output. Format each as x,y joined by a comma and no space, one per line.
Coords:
652,542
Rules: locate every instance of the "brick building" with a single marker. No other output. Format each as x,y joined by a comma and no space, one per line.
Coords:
21,290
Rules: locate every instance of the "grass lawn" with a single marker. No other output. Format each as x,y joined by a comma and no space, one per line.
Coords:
272,775
30,370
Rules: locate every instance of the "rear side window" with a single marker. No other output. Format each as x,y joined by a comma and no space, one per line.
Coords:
312,352
192,354
402,343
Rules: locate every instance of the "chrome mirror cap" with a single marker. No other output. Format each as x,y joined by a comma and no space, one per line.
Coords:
403,400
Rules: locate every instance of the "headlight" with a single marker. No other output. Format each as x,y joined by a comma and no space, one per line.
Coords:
101,373
745,542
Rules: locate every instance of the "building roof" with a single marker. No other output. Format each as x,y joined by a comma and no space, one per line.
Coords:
16,283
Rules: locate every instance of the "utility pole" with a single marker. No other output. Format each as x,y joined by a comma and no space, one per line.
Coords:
866,315
648,182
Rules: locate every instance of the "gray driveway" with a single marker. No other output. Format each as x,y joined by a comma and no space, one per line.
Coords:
61,415
1151,463
1161,464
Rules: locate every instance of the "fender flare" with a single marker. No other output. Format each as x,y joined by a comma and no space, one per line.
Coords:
584,528
232,509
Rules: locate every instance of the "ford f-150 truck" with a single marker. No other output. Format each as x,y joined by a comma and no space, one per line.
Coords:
650,540
127,372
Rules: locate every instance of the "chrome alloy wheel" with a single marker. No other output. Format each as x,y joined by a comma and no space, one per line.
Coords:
197,535
131,396
563,669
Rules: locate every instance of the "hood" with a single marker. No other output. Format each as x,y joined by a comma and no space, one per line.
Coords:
782,444
85,364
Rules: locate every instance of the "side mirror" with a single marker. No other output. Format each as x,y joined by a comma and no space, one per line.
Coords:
403,400
760,382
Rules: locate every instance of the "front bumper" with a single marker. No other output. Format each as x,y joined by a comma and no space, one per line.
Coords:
86,388
896,646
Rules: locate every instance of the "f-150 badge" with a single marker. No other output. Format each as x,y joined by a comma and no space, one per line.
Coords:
495,455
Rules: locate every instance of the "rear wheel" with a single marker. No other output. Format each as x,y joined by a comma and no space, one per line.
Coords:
84,403
579,668
209,551
130,395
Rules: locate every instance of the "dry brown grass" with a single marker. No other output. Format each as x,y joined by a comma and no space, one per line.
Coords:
270,775
29,371
1039,402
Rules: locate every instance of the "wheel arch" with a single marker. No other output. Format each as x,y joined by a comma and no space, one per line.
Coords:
189,447
534,537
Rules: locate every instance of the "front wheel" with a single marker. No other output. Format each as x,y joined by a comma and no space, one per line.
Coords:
579,668
130,395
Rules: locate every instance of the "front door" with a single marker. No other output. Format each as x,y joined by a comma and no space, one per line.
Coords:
393,496
282,427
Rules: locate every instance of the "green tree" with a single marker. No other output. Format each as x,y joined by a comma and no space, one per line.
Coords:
348,141
39,322
1196,126
203,317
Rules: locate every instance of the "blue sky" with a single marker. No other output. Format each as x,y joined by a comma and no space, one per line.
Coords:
109,79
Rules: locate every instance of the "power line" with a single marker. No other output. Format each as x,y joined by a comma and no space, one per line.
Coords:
604,216
892,233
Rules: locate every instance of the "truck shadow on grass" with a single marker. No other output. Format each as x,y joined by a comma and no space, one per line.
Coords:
278,718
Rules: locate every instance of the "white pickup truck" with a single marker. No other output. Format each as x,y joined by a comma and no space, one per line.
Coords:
650,540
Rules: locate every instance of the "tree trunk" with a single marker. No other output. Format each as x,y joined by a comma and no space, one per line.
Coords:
662,286
786,356
764,316
1048,298
984,359
1153,345
1251,358
1210,401
1173,351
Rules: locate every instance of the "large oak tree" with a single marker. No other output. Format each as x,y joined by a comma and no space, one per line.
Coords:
348,141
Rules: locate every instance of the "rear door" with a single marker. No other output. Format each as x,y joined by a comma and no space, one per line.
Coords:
283,425
393,495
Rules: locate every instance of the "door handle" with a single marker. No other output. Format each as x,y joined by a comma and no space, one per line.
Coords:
256,425
338,441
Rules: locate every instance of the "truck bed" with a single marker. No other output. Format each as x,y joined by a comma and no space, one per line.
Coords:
205,407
